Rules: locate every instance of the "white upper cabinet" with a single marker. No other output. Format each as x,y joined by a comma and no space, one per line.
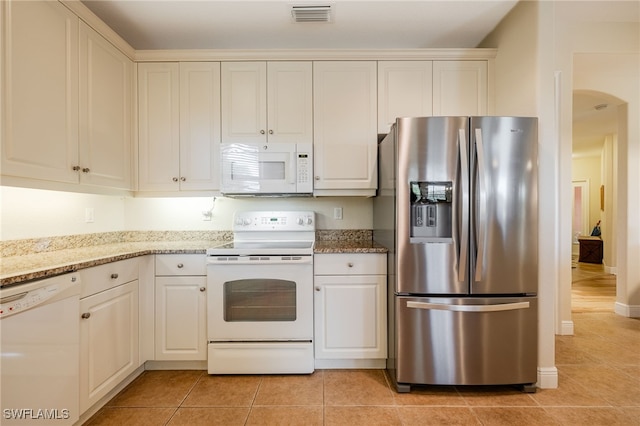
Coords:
460,88
106,93
404,90
267,102
179,126
67,102
345,127
40,91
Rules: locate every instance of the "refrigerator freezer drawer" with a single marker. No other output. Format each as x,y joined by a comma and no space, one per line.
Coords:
466,341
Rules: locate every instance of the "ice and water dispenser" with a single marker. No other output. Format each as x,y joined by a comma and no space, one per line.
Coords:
431,211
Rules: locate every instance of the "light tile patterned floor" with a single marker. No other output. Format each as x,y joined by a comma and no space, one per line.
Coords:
599,371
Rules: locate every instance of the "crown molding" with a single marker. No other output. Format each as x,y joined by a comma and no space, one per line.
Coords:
90,18
313,54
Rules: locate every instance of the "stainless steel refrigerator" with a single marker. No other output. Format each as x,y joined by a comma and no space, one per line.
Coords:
457,205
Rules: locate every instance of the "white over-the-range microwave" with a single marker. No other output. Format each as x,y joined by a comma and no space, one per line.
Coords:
266,169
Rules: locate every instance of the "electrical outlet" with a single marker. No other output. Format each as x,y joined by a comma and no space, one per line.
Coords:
88,215
337,213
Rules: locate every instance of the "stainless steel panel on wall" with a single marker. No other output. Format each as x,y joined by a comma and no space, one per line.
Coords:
504,211
466,341
429,151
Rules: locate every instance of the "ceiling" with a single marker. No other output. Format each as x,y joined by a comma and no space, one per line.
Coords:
267,24
354,24
591,125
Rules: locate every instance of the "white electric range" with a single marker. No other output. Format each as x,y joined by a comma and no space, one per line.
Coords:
260,295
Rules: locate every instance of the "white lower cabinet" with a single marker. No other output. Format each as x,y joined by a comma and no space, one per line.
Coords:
180,308
108,329
350,306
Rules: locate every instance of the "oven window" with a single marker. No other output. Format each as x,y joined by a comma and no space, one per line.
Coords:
259,300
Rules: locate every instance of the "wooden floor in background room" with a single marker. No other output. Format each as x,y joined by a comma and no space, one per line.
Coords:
592,289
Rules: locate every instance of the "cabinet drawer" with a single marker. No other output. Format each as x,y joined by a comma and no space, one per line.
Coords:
109,275
181,264
350,264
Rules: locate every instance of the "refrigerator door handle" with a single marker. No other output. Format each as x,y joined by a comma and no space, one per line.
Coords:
463,234
468,308
481,219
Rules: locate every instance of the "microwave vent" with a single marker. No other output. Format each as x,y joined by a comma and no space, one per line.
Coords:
311,13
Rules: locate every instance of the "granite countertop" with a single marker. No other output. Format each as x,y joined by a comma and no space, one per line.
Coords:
16,269
355,246
25,267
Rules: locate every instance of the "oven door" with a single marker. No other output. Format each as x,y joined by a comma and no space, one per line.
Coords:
260,298
258,168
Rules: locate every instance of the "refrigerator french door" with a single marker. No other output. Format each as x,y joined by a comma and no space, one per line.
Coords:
459,195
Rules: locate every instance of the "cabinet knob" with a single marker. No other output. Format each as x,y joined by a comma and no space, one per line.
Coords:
114,276
270,132
203,289
317,288
85,315
350,264
317,178
175,179
262,132
182,179
86,170
75,168
180,266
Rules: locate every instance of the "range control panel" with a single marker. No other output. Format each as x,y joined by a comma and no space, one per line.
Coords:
274,221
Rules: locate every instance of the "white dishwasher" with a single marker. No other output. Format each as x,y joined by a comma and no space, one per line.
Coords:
39,343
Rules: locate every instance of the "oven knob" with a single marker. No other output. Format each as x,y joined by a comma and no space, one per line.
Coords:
300,221
246,221
238,221
309,220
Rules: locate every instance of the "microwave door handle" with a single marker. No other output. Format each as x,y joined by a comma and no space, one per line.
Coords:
292,168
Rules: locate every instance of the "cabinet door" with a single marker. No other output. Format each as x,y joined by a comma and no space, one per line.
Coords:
350,317
158,127
108,341
105,112
181,320
404,90
345,130
199,125
40,91
289,102
244,102
459,88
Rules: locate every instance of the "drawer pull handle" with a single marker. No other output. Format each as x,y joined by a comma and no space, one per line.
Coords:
203,289
350,264
114,276
180,266
86,315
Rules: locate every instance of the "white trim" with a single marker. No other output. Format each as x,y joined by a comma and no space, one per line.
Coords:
566,328
629,311
90,18
322,364
547,378
611,269
312,54
175,365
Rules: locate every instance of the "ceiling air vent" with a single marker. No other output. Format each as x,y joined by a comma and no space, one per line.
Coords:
311,13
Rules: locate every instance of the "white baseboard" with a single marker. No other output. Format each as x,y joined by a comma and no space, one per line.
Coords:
566,328
629,311
323,364
547,378
611,270
175,365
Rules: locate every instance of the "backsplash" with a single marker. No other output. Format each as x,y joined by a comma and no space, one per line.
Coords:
48,244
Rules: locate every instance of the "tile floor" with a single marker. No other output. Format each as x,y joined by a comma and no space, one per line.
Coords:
599,372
